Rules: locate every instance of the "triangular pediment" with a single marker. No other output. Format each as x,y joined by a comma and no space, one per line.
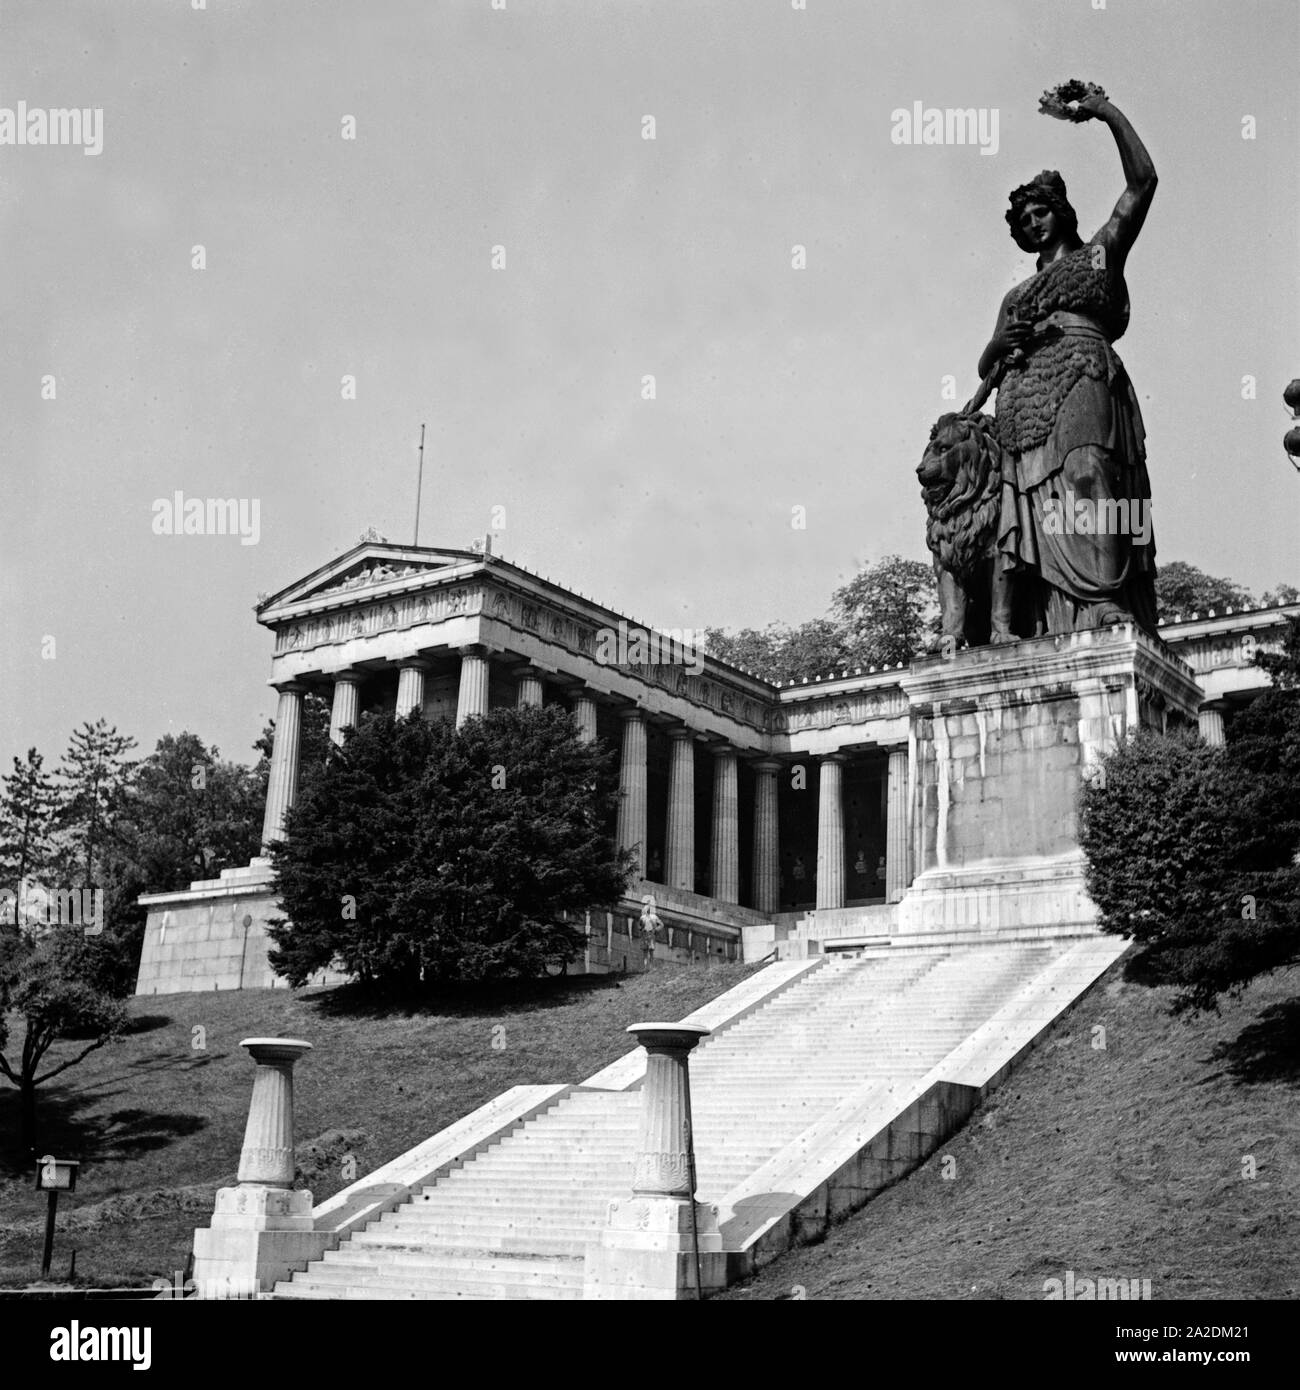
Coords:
370,567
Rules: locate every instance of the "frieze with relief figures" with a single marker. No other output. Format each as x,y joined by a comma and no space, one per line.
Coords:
409,610
833,710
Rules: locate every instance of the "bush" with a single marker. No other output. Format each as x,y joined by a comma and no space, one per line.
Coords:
1190,853
419,854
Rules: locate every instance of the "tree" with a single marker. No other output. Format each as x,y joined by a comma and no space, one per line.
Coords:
885,615
46,978
313,743
1283,667
1182,589
420,854
1284,593
780,653
889,611
187,815
1190,852
28,804
95,774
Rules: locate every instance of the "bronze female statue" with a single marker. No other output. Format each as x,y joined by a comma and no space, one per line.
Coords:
1074,534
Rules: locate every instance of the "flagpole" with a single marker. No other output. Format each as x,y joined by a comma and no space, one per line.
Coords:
419,485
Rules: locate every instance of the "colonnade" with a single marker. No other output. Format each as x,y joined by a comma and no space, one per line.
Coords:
632,824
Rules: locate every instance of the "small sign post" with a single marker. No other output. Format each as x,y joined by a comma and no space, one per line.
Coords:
53,1175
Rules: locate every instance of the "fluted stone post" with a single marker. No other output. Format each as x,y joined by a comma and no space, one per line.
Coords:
584,713
263,1229
830,833
347,703
767,848
646,1250
679,865
1210,719
724,867
897,831
632,788
472,698
661,1168
410,685
530,687
282,785
267,1156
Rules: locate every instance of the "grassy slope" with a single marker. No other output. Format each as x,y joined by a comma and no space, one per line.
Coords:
1125,1162
153,1115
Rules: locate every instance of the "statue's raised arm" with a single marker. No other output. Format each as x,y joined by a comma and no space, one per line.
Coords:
1083,102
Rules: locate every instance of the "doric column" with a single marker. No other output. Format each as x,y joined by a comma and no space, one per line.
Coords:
661,1168
584,712
530,687
767,847
410,685
1210,719
724,865
472,700
830,833
632,788
282,785
897,837
679,865
347,703
267,1156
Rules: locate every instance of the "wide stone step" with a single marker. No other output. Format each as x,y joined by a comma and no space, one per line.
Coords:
519,1189
550,1179
450,1278
469,1237
390,1290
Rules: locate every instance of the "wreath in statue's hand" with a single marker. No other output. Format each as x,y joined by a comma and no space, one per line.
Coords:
1056,101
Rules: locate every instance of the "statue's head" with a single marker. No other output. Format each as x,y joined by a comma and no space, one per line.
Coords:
1040,214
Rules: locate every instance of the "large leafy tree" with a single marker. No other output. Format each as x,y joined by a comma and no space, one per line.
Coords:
1182,589
885,615
889,611
780,653
419,854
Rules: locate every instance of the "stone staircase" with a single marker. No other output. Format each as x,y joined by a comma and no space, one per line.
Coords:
514,1220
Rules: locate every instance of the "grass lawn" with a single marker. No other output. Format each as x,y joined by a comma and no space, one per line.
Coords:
158,1118
1123,1162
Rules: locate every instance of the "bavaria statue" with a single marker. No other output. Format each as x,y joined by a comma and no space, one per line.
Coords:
1039,517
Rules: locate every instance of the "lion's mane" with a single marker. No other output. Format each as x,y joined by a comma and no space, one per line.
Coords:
961,527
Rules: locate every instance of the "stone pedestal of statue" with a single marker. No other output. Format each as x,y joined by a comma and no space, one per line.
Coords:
1004,737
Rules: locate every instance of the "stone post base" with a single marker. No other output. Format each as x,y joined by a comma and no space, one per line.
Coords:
1024,897
258,1235
645,1251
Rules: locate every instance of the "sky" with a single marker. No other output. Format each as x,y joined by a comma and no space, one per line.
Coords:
523,127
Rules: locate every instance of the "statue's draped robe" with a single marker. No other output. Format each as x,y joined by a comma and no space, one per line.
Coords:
1070,429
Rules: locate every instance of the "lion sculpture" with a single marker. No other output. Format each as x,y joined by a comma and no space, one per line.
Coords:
961,481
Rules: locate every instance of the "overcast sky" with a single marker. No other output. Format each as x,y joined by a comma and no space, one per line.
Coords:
625,257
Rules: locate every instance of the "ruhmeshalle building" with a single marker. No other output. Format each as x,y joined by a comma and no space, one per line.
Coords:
868,805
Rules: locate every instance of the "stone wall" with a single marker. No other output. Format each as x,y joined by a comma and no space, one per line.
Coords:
213,937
